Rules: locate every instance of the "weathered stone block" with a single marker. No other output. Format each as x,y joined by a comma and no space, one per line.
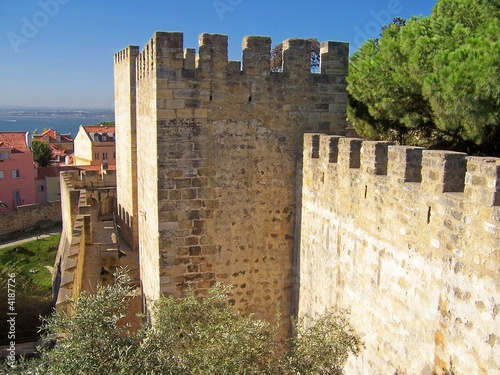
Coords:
443,171
405,164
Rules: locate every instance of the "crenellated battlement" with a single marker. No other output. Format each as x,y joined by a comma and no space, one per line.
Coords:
256,56
166,49
197,84
426,199
125,54
436,171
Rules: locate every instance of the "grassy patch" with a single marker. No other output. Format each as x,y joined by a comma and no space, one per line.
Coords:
32,259
29,262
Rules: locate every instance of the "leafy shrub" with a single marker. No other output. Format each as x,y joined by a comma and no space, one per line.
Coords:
190,335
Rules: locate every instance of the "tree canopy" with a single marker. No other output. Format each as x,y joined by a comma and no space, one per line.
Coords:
41,152
107,123
191,335
432,81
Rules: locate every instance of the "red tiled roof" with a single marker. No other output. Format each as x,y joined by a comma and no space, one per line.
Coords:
99,129
14,140
52,134
57,150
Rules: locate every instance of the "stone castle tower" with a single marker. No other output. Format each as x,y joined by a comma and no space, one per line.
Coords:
209,154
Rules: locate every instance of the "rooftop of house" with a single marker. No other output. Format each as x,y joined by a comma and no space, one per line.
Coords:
15,141
57,150
53,136
100,133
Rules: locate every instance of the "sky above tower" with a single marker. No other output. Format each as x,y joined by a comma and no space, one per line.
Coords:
59,53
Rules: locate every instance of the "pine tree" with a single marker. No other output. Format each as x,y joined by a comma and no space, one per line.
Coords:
432,81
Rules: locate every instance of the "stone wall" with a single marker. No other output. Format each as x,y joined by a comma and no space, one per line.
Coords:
126,140
408,240
148,154
69,202
218,143
28,216
80,190
69,262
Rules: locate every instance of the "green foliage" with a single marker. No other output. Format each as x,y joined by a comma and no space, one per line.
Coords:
23,283
433,81
41,152
206,336
191,335
90,340
33,282
324,346
32,259
23,366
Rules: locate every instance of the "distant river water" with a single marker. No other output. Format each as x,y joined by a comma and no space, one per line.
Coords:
62,124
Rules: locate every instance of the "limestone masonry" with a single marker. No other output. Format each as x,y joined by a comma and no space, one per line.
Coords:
207,160
81,193
408,240
90,248
216,181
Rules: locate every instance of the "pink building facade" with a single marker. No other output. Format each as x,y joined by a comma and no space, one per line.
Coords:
17,171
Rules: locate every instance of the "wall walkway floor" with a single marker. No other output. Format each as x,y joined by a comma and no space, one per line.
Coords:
103,256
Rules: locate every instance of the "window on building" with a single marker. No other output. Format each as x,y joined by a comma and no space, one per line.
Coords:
4,156
96,156
41,188
2,175
16,173
104,156
16,198
114,155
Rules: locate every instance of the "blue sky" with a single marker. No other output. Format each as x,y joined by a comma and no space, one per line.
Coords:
59,53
